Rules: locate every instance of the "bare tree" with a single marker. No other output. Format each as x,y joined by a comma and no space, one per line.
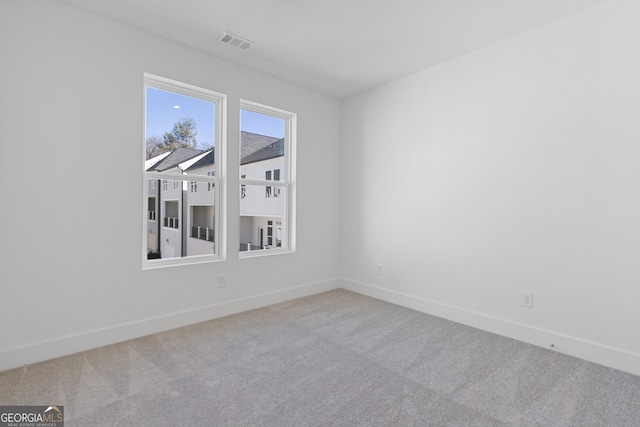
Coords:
154,146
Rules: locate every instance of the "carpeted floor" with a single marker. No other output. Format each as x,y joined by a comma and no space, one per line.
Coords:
334,359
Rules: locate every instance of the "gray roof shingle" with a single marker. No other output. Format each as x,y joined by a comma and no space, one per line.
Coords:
276,149
252,142
253,148
207,160
176,157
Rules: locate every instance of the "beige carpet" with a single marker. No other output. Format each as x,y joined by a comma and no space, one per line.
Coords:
334,359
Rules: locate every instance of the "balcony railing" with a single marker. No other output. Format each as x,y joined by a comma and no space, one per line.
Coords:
171,222
151,215
202,233
248,247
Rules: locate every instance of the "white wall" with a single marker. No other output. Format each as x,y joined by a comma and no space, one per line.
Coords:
71,109
511,168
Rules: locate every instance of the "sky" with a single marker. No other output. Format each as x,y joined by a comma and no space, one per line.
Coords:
261,124
166,108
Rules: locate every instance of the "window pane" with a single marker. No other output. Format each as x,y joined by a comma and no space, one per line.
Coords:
180,218
262,219
180,133
176,121
267,139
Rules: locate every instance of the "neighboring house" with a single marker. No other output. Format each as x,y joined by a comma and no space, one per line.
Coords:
252,142
181,214
171,163
199,212
154,160
166,205
262,208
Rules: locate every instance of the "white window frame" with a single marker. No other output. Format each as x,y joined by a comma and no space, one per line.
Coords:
288,176
218,180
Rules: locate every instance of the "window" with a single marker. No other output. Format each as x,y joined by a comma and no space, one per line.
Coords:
210,185
182,176
243,188
267,177
151,208
267,180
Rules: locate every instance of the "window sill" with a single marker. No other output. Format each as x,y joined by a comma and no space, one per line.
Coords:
176,262
264,252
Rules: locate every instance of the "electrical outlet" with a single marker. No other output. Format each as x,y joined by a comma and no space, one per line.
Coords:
526,299
222,281
379,269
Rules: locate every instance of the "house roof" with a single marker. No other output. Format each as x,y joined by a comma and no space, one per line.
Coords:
253,148
271,151
252,142
176,157
204,161
187,164
154,160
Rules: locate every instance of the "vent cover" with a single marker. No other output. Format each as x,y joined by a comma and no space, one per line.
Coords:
233,40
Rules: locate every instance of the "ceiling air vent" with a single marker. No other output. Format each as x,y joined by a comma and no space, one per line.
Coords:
236,41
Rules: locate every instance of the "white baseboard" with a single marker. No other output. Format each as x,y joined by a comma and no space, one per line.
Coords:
593,352
46,350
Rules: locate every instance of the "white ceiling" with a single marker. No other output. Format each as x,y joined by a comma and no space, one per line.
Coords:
337,47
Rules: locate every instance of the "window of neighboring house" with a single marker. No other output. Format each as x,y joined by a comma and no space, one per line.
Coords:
267,180
267,177
210,185
151,208
183,148
243,188
276,177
